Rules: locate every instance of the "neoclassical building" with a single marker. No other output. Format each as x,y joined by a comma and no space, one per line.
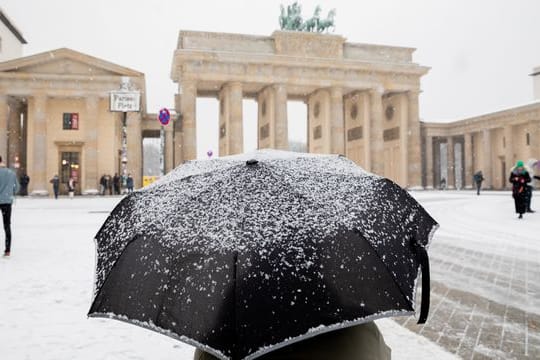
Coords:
362,99
491,143
55,119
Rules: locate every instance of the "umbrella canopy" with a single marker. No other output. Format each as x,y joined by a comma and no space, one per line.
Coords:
245,254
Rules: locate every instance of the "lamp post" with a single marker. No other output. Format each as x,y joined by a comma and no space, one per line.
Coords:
125,100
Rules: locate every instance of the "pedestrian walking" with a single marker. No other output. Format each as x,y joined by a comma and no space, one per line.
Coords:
55,181
110,184
478,179
519,177
24,181
116,184
129,183
443,184
8,188
71,187
103,184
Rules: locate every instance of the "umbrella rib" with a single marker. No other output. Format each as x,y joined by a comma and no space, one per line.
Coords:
98,292
384,265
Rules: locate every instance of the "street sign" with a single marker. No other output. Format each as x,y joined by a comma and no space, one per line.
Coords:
164,116
124,101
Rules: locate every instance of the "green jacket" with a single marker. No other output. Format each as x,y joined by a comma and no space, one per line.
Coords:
9,185
360,342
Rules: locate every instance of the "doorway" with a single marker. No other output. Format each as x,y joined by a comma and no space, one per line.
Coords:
70,167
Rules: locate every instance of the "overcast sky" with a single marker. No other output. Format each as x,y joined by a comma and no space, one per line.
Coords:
480,52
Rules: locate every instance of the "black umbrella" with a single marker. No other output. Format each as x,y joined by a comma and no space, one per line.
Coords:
243,255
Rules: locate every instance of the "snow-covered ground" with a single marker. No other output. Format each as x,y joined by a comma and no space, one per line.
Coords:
45,287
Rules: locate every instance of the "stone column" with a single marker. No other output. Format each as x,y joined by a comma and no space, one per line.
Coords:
403,176
281,133
4,115
468,152
38,175
169,148
14,135
508,150
90,185
451,165
376,131
187,90
414,176
177,134
337,124
487,161
231,135
533,129
265,112
319,125
366,123
236,129
429,162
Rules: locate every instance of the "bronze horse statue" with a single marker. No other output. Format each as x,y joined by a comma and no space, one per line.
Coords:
292,19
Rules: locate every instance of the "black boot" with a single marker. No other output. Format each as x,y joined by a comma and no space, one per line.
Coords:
520,216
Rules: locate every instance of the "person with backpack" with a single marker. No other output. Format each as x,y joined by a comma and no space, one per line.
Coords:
9,186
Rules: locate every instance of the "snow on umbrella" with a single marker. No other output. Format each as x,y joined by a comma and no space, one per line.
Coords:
245,254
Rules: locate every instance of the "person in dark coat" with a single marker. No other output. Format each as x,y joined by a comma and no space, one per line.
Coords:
116,184
103,184
519,177
359,342
55,181
24,181
109,184
129,183
478,178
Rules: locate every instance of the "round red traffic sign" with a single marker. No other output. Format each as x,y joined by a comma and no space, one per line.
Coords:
164,116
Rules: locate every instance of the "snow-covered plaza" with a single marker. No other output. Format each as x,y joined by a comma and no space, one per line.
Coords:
485,266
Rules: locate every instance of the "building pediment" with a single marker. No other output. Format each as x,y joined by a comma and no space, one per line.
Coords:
65,62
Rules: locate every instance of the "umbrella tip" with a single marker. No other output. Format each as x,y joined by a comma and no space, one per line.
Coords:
252,162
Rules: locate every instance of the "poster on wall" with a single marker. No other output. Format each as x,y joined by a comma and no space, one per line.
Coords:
75,121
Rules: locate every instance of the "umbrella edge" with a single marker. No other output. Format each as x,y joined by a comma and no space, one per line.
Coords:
159,330
322,329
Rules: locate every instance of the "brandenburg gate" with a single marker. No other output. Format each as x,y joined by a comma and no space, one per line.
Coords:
362,99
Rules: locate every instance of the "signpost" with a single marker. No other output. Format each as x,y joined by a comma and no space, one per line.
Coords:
125,100
164,118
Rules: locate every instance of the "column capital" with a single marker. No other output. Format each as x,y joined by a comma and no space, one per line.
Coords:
377,90
233,84
336,91
187,85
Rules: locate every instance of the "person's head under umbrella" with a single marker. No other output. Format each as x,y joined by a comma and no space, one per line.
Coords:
363,341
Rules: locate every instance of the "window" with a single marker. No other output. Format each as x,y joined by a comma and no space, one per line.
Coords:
70,121
528,139
0,44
